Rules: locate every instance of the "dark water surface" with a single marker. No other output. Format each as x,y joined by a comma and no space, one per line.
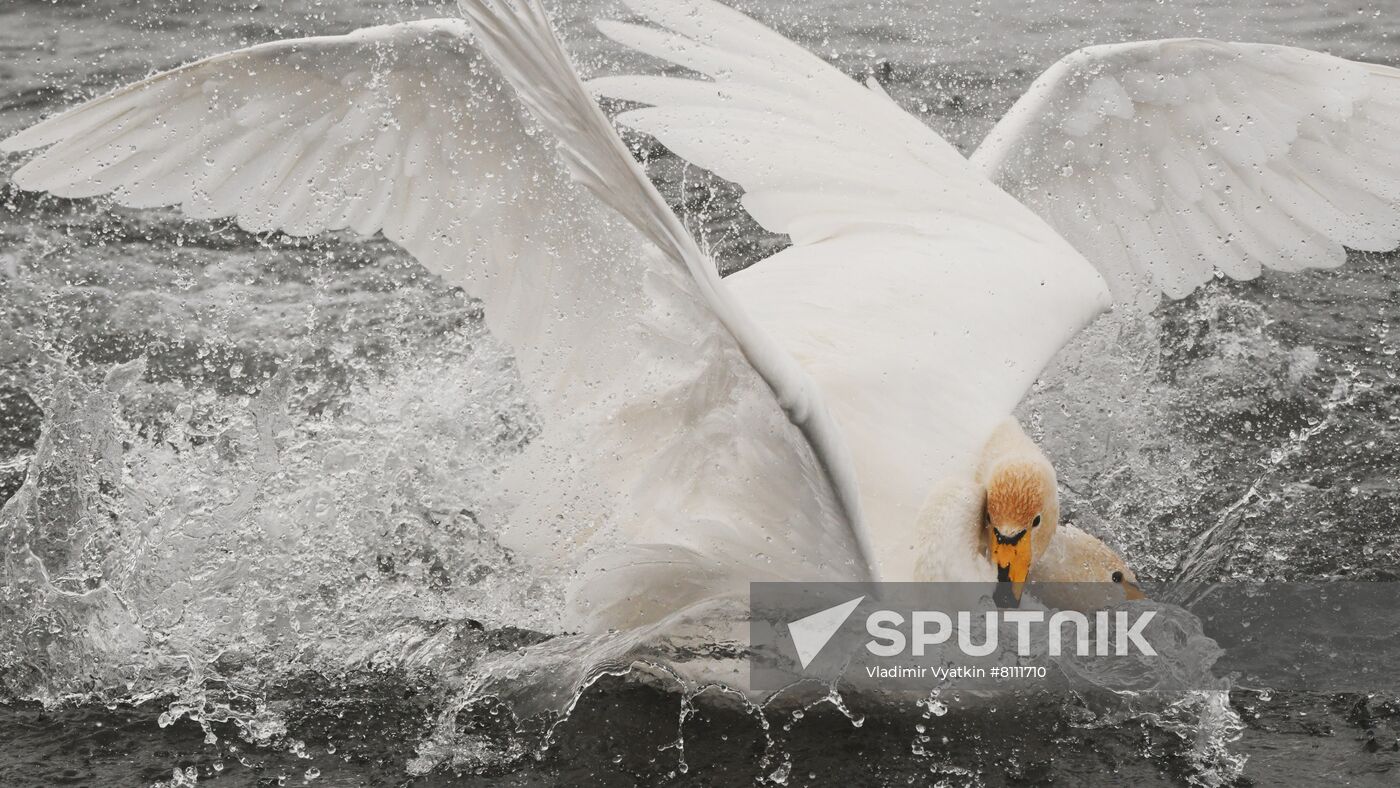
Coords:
205,394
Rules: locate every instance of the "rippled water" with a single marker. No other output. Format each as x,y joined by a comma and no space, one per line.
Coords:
258,545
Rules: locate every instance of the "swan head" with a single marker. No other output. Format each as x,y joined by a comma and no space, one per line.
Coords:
1080,572
1021,516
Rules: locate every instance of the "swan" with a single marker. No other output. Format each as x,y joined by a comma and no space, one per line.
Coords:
839,411
1003,520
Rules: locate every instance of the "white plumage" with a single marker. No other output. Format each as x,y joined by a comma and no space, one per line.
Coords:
789,422
1165,162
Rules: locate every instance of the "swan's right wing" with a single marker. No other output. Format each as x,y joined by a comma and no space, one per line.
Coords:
1171,162
922,298
657,431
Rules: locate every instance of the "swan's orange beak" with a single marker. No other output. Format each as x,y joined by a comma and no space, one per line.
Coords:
1011,554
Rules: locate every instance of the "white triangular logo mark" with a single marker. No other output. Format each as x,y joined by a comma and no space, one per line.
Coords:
810,634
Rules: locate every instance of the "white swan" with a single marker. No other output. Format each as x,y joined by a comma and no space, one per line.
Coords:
791,421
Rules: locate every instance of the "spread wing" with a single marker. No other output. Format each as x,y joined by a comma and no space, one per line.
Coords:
1165,162
922,298
667,417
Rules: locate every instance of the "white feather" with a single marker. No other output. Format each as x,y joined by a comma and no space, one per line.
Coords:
974,293
1276,131
406,130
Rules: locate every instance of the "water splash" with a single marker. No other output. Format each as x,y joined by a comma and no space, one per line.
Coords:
1209,553
232,554
212,551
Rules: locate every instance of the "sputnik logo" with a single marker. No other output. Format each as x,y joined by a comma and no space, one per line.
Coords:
811,634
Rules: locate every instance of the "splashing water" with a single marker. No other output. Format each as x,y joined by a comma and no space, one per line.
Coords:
229,543
262,500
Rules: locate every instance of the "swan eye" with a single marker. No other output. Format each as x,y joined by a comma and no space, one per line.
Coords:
1117,577
1036,522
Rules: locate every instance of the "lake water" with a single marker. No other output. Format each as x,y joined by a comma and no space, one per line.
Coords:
261,551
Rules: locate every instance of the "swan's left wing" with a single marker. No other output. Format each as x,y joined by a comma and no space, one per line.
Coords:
669,423
1165,162
922,298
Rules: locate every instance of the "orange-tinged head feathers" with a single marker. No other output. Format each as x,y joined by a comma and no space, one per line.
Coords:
1017,493
1022,511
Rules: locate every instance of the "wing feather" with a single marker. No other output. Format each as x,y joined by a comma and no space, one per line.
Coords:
637,361
922,299
1266,157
